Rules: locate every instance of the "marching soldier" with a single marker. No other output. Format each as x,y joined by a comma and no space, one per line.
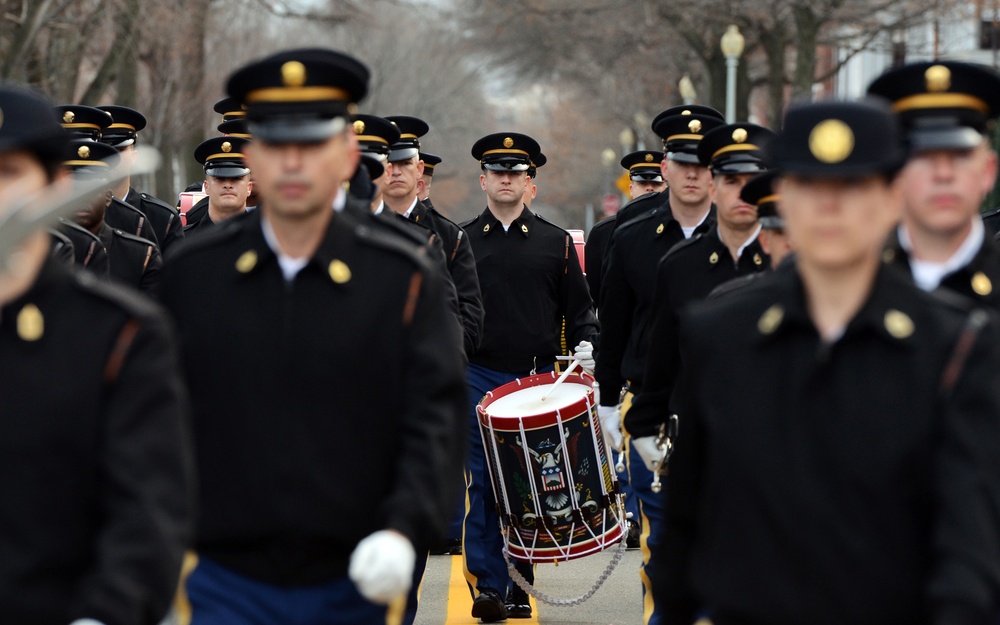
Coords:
342,312
98,496
400,195
645,176
424,184
227,181
88,250
808,486
132,260
944,108
122,135
520,257
87,122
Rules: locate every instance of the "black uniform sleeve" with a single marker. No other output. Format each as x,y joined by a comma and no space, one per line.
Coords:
651,406
462,266
150,281
672,559
148,475
964,578
430,463
174,232
617,306
578,309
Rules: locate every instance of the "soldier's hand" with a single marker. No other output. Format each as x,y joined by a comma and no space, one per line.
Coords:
611,423
584,352
382,566
651,454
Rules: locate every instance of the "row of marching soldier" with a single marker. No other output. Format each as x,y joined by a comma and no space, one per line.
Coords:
295,408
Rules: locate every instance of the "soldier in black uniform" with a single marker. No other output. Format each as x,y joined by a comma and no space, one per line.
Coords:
325,422
98,487
87,122
227,181
944,107
645,172
122,135
531,281
839,428
629,286
400,195
132,260
426,180
692,269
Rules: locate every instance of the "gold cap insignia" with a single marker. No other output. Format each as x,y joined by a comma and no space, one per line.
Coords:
981,284
757,260
359,127
694,125
685,112
714,258
649,158
68,117
508,142
888,256
293,74
740,135
898,324
227,146
524,229
30,323
83,152
486,228
831,141
339,271
771,319
938,78
246,262
659,229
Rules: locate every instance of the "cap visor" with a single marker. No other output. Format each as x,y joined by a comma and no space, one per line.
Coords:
227,172
683,157
956,138
506,166
402,154
296,130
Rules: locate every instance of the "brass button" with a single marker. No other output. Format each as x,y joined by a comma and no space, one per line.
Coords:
771,319
30,323
339,271
898,324
246,262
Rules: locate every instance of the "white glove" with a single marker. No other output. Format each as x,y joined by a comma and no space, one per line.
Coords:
86,621
584,352
648,451
382,566
611,423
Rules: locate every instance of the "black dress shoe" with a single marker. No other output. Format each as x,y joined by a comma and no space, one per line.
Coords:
489,607
518,605
455,547
632,537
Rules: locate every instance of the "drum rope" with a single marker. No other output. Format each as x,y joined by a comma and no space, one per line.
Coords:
557,601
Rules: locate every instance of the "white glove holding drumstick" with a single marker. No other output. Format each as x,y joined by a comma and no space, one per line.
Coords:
382,566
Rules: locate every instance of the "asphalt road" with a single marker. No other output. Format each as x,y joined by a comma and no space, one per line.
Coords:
445,597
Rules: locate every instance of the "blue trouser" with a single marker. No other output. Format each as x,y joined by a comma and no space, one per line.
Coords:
219,596
482,543
652,515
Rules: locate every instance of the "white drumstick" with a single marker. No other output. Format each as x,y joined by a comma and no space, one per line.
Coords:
562,378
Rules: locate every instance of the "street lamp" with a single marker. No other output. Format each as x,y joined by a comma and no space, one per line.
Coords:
732,48
688,94
627,139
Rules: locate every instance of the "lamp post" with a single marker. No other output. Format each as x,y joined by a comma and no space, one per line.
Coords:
688,94
732,48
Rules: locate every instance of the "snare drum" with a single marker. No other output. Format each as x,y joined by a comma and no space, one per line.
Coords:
557,496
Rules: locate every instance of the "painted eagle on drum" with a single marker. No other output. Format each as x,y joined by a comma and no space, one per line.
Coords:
550,471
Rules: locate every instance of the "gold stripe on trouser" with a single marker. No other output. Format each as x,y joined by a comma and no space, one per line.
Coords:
647,595
182,607
471,579
396,610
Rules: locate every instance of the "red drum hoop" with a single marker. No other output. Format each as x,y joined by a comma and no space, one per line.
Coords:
557,496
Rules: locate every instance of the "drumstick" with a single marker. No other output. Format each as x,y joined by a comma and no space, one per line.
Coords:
562,378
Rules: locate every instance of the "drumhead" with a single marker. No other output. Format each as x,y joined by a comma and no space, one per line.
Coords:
528,401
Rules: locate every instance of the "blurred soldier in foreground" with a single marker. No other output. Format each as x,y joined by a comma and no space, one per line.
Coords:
326,422
944,108
97,496
809,487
